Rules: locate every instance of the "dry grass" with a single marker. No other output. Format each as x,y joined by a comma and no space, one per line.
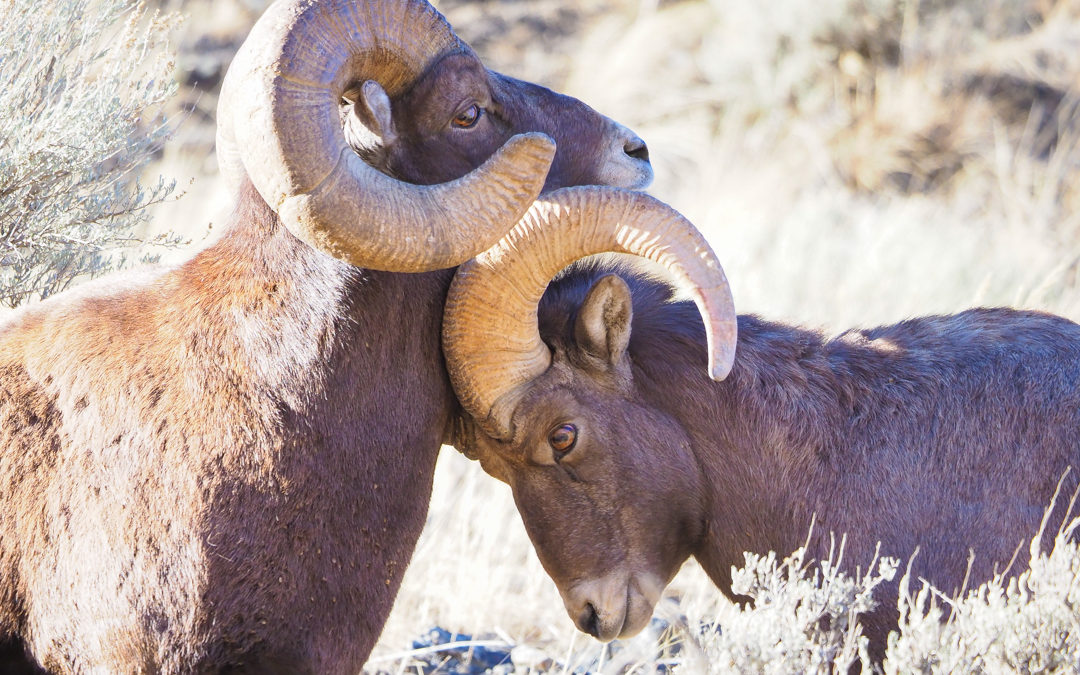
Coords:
852,161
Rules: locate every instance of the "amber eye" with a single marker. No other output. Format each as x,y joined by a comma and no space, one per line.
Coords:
468,118
562,439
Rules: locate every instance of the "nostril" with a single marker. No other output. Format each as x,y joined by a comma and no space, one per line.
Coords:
589,621
636,148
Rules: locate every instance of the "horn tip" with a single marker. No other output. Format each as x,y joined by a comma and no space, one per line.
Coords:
720,365
537,142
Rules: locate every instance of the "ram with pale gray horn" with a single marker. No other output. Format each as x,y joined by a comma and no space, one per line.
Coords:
225,465
593,401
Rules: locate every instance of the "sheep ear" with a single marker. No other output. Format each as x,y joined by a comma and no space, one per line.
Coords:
371,122
603,322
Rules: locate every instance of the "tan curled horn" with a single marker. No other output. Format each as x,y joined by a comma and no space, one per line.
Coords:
490,335
279,124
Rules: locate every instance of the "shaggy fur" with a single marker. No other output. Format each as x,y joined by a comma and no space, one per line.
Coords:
942,433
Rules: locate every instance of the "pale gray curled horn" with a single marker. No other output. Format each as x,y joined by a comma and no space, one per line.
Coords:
490,334
279,123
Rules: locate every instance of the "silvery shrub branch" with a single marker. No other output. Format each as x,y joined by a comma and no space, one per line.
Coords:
82,83
1021,623
804,616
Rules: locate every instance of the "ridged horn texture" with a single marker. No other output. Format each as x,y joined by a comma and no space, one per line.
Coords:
490,334
279,124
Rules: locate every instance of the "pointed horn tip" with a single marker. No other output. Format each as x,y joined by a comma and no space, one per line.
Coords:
718,372
535,143
722,355
721,361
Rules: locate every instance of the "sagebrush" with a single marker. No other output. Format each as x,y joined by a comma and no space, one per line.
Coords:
81,85
803,618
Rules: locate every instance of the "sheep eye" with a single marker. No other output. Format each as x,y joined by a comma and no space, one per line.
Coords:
468,118
562,439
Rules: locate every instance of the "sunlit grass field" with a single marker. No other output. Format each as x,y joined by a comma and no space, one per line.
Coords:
853,162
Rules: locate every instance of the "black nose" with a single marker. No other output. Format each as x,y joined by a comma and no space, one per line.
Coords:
636,148
589,621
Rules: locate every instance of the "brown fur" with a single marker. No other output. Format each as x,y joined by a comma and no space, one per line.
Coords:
946,433
226,465
458,81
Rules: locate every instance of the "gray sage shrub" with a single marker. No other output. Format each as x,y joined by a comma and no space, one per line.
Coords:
804,618
1024,623
81,87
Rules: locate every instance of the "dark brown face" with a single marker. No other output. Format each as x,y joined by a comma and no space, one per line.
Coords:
608,491
459,113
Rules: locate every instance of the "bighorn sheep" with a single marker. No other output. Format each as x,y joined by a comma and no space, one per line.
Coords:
947,433
225,465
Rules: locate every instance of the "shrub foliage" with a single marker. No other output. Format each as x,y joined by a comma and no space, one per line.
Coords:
81,83
1026,623
804,618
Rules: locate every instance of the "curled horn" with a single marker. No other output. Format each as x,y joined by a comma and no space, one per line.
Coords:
490,334
279,124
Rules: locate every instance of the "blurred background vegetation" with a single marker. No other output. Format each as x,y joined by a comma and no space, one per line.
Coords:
853,162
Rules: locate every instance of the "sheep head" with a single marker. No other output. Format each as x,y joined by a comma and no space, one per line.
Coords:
562,421
280,125
459,113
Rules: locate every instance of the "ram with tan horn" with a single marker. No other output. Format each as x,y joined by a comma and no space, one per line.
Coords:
225,465
946,434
